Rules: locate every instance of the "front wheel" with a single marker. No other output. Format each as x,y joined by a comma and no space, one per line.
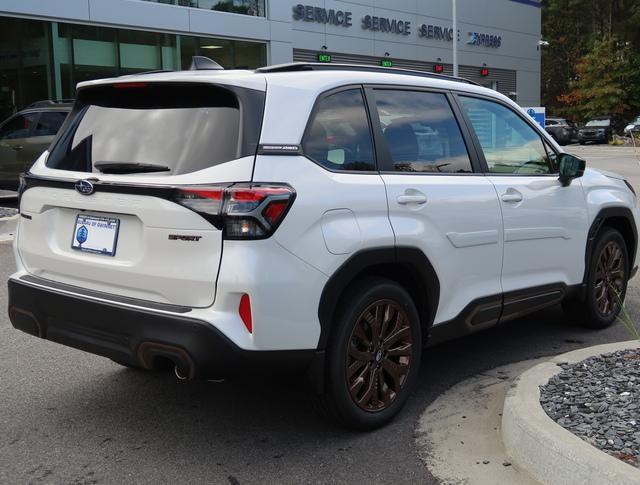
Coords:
374,354
606,283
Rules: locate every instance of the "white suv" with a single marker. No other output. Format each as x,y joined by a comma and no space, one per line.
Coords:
325,219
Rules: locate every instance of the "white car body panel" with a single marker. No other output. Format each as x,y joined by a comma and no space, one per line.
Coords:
461,236
318,192
545,234
478,245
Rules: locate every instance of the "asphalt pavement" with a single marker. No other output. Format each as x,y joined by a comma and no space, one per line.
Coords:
74,418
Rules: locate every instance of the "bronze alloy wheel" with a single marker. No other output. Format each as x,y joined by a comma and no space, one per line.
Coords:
379,355
609,281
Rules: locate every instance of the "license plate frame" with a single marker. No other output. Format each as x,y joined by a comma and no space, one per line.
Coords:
100,234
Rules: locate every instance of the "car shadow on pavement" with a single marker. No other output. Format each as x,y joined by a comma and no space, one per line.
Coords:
268,427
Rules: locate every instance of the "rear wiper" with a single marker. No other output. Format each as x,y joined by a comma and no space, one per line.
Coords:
129,167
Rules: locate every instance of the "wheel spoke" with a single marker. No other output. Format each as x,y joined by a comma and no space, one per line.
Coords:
402,351
356,366
360,333
370,388
396,372
383,389
402,333
389,313
359,381
376,325
360,355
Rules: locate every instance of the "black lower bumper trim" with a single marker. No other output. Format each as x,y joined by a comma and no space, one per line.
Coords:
137,336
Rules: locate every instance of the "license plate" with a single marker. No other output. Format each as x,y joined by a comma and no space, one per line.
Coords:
96,234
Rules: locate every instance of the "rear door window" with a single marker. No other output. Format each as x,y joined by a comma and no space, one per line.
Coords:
339,137
177,128
421,132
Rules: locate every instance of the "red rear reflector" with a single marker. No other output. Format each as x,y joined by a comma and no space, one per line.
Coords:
130,85
245,312
274,210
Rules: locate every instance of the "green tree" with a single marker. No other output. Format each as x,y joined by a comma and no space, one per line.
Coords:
592,54
603,83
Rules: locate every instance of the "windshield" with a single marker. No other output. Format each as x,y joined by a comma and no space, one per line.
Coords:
160,129
598,123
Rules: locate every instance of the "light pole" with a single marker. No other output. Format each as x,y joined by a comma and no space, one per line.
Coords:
455,38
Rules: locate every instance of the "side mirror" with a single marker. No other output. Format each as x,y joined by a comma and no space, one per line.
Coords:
571,167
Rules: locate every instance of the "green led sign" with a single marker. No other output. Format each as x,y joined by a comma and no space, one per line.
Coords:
324,57
386,62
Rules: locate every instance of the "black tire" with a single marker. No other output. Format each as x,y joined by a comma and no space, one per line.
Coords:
381,396
606,287
582,142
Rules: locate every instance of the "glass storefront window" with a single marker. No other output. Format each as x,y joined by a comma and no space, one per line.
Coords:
45,60
244,7
25,64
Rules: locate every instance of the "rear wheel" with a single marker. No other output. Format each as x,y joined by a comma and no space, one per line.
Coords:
374,354
606,283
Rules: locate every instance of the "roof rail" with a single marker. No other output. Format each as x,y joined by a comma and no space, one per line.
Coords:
319,66
49,102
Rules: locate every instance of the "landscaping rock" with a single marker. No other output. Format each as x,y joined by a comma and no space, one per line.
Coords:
597,400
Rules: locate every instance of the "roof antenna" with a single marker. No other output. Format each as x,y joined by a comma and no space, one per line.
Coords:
201,63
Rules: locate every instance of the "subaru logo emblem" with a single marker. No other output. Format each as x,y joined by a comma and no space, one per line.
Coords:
84,187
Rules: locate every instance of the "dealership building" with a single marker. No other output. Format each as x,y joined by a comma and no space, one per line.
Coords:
48,46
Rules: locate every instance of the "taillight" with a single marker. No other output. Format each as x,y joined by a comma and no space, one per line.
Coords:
242,211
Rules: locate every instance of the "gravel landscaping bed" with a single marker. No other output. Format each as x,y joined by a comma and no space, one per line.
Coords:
7,212
598,400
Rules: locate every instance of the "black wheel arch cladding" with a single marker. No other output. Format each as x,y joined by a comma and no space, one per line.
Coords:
407,266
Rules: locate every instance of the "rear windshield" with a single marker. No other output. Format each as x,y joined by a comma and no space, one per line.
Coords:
167,129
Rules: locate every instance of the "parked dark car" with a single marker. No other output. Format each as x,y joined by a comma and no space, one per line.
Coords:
600,129
25,135
562,130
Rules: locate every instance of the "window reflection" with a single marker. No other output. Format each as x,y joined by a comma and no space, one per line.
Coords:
45,60
509,144
244,7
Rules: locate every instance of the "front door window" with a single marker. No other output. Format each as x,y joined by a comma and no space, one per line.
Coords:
510,144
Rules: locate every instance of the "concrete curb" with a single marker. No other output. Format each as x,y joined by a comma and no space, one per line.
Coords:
8,226
547,451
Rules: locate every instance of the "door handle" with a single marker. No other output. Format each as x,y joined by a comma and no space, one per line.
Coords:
17,148
512,195
412,199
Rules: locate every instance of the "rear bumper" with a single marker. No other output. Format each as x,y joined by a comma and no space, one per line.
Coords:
138,337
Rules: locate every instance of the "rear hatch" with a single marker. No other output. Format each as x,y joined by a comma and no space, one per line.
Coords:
121,203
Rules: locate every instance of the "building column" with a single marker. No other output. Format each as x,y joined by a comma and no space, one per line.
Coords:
56,61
